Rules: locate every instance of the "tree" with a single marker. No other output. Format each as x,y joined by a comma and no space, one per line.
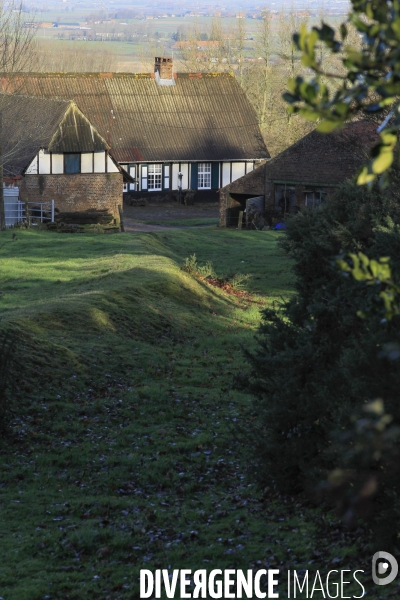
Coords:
15,44
275,60
263,47
369,82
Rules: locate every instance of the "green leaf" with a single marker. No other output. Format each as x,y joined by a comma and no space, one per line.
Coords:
383,161
328,126
365,176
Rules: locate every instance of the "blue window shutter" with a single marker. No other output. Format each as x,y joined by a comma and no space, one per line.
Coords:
194,176
215,176
72,163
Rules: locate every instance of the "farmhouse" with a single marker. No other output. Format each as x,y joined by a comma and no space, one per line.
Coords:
166,129
52,152
302,175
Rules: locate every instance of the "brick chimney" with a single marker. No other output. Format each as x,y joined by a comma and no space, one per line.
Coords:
163,66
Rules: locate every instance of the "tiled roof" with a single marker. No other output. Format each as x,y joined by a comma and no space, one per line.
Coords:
327,159
201,117
33,123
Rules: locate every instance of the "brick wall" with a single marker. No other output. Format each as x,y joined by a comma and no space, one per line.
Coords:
74,192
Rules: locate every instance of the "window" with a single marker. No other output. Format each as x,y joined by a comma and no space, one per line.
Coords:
154,177
314,198
285,199
72,163
204,176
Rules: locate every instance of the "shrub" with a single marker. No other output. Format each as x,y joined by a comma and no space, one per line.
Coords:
366,481
316,360
192,267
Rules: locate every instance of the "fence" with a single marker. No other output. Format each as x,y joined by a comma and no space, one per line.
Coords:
15,210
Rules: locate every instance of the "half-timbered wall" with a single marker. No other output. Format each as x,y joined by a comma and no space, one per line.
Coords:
222,173
47,163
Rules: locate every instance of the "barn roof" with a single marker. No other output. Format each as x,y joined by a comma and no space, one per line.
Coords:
33,123
316,159
328,159
200,117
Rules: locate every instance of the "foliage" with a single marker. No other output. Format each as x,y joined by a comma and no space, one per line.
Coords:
371,82
317,360
378,273
192,267
366,481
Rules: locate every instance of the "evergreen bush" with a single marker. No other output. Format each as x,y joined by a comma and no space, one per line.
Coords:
317,362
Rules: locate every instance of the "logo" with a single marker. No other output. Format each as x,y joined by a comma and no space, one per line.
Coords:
384,563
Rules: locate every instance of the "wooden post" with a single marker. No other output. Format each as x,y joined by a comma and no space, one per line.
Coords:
240,222
121,218
2,215
27,215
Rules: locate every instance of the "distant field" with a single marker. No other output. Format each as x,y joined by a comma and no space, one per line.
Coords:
137,55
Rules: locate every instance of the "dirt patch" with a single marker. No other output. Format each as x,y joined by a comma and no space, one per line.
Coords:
170,211
131,226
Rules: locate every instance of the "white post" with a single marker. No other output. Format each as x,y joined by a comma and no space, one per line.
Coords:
52,211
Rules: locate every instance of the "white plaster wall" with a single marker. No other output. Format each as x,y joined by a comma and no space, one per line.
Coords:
226,173
111,166
238,170
33,167
87,162
99,162
175,180
44,162
185,178
57,164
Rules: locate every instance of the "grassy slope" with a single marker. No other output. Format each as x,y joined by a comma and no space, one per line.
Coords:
121,455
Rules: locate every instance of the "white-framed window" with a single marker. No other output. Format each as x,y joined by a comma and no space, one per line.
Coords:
154,177
204,176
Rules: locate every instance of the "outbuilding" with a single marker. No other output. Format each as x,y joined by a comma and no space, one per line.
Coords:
51,151
302,175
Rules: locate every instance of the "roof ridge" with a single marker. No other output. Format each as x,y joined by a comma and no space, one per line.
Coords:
40,98
116,75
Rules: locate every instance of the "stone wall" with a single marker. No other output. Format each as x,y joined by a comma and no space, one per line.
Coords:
74,192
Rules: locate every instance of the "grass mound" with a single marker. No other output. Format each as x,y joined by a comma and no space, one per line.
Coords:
121,453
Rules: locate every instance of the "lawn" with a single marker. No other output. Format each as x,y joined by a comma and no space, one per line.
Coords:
121,452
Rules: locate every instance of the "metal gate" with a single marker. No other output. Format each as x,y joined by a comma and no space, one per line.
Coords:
15,210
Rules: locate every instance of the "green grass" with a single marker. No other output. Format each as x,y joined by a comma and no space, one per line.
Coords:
121,453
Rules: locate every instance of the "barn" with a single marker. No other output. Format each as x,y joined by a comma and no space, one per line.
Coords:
168,130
